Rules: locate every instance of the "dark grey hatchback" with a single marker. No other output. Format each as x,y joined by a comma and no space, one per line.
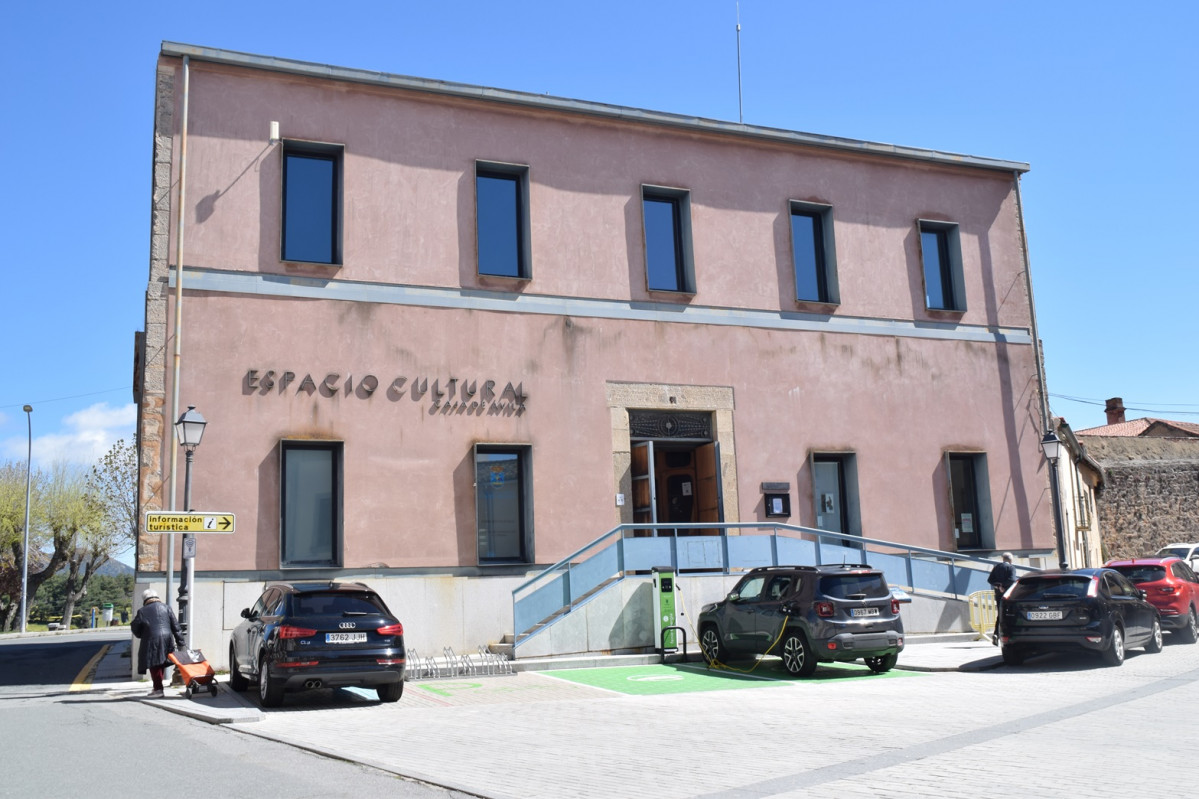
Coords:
311,635
806,614
1096,610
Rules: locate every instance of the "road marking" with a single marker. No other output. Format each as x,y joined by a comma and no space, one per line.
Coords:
83,680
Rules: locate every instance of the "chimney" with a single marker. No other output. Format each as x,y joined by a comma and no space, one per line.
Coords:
1115,410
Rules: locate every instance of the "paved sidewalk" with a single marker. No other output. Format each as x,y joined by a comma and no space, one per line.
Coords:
923,653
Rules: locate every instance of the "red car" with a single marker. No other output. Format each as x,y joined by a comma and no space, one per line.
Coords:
1172,588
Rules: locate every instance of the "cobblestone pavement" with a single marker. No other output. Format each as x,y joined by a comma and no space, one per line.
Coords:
1051,728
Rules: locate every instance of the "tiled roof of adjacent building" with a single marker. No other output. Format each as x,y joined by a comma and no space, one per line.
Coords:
1145,427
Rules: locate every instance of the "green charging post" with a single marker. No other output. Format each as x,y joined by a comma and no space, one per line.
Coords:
665,629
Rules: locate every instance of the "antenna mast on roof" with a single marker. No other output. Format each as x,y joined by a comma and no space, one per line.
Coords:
740,117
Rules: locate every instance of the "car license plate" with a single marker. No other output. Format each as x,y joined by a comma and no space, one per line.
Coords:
345,638
1044,615
863,611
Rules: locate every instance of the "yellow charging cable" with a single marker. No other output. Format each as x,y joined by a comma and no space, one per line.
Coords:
712,662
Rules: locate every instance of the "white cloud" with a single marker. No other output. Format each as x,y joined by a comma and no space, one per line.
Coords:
85,437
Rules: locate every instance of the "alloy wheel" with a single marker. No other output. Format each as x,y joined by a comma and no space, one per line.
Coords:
798,658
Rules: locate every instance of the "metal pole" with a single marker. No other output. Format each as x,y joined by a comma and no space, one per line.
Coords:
189,571
25,548
181,216
1063,562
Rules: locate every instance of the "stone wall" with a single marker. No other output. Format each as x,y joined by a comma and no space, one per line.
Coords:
1151,493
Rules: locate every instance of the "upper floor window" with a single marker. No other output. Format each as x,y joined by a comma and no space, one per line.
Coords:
502,219
941,252
812,252
667,219
312,202
310,500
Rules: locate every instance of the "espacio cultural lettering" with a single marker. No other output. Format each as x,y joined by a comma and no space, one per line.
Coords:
454,396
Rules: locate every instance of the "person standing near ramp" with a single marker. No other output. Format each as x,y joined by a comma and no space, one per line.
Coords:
1001,579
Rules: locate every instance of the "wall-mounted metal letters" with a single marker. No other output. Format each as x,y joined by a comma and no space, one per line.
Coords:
446,396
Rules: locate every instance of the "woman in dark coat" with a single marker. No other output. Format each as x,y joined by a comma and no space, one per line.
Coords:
158,630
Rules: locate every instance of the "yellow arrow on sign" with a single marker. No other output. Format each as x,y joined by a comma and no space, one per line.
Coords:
190,522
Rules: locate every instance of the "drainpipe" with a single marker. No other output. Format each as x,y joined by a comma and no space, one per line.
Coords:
170,423
1032,310
1046,419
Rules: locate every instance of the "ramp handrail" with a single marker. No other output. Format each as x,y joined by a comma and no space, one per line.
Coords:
575,579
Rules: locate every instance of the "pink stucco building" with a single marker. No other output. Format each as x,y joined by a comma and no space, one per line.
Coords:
443,335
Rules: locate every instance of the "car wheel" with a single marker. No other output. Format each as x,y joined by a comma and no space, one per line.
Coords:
711,645
1114,654
798,658
237,680
390,692
1012,656
1190,633
270,692
882,663
1154,644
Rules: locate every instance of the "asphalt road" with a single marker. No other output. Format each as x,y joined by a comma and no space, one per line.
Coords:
107,744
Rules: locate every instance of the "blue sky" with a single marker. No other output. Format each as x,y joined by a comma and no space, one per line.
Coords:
1101,102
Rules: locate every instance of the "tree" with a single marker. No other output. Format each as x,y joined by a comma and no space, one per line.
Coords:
12,534
76,525
113,484
108,524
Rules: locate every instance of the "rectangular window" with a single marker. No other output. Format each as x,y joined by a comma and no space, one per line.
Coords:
310,499
969,495
312,203
812,252
503,504
502,219
667,219
941,253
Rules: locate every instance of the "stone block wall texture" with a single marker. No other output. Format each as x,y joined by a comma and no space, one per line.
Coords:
1151,493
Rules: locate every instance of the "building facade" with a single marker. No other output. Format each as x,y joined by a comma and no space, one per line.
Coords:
1081,483
444,336
1151,490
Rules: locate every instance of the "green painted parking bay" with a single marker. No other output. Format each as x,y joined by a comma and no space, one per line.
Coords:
681,678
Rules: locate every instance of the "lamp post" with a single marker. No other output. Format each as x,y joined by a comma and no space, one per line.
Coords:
190,429
1052,446
25,548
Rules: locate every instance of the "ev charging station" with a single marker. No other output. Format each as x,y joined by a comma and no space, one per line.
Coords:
666,627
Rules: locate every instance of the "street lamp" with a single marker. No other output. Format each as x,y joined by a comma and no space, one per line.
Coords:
1052,446
190,429
25,548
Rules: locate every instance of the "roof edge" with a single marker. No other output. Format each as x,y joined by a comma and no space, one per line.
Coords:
605,110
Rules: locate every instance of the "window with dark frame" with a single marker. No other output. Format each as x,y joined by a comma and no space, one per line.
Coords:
502,504
501,220
810,253
310,503
963,487
939,251
311,203
667,245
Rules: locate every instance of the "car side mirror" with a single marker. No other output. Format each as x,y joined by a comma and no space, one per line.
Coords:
245,613
733,596
1141,593
899,595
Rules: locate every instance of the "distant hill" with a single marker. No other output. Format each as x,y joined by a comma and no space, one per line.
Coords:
114,568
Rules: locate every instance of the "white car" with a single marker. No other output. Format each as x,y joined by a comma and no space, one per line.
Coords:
1188,552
